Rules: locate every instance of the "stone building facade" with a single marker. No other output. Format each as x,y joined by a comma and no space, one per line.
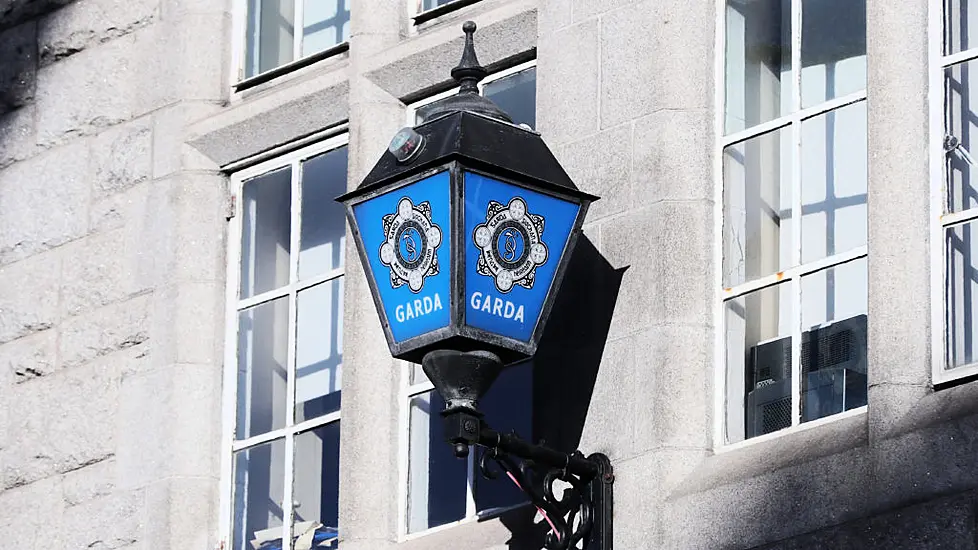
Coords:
132,132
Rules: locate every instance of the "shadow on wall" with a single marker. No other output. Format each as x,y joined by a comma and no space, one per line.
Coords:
15,12
566,366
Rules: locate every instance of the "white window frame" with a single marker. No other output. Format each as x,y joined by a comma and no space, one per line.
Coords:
941,221
791,276
239,43
409,391
415,7
234,305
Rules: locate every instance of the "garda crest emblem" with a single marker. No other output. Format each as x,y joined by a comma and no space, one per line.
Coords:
409,249
511,245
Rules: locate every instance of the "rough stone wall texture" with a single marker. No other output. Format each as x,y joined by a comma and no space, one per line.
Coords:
111,274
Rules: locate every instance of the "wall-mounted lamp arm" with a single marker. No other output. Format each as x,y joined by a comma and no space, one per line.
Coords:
582,512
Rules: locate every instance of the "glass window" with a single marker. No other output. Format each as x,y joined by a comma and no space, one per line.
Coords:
440,487
443,488
796,142
288,377
425,5
273,39
514,92
959,192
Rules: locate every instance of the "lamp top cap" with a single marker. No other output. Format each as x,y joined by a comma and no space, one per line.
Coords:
468,73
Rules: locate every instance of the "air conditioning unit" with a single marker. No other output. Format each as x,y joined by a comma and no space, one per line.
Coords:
833,370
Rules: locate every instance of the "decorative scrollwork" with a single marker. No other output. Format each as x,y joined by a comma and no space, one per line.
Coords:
571,516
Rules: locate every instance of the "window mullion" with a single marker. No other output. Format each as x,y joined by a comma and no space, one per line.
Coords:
796,203
288,499
290,382
298,28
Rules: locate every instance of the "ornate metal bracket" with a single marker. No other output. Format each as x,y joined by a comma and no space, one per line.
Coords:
581,516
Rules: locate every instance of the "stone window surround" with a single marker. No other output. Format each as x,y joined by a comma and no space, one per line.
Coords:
310,103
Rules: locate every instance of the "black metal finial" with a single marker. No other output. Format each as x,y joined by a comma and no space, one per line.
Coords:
469,73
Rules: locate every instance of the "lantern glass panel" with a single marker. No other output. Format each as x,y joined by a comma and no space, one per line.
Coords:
406,237
514,240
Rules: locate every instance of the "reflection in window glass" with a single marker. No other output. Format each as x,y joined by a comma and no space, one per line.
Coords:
833,341
757,207
437,480
961,294
316,485
323,230
960,18
265,237
270,39
516,95
509,403
961,124
319,350
263,333
758,336
833,49
326,23
259,480
758,62
833,182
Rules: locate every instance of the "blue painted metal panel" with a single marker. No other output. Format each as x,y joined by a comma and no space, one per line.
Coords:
406,235
513,238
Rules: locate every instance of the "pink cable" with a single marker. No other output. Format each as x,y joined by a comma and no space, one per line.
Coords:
542,512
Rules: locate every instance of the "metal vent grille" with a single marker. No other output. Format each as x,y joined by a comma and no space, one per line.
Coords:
828,350
776,415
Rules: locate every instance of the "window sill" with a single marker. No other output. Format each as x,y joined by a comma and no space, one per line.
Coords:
282,70
437,12
772,452
485,515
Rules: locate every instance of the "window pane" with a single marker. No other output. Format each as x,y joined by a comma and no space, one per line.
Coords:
323,232
960,18
961,124
961,296
437,480
833,49
326,23
516,95
833,341
319,350
316,486
509,403
833,182
270,29
425,5
265,232
263,349
757,207
758,62
758,348
259,479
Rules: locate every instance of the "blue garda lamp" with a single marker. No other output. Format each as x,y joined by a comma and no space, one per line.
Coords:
465,228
